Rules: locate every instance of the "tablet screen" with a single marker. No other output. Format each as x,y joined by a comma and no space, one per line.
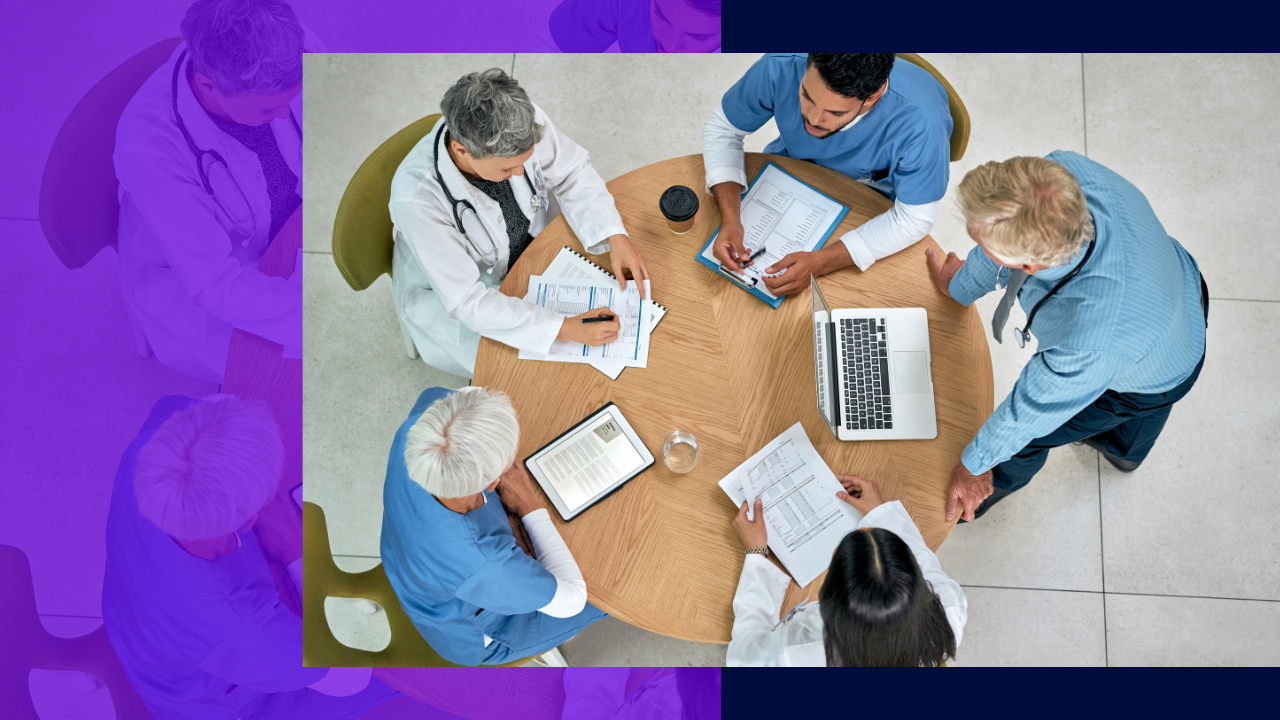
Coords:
589,461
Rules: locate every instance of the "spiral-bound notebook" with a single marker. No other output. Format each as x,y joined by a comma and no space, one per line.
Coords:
569,263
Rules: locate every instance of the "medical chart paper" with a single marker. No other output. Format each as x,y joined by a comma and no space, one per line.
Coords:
805,519
569,264
783,215
595,457
572,296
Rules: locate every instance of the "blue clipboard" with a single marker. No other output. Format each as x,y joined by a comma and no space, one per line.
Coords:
771,302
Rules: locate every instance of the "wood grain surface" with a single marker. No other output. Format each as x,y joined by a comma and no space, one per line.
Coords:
256,370
661,552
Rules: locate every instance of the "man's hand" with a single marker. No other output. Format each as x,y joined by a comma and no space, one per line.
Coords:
522,535
967,490
753,533
863,495
943,272
627,263
515,490
279,530
729,249
800,265
593,334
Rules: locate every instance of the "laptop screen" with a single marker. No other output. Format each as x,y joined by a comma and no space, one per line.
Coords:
823,355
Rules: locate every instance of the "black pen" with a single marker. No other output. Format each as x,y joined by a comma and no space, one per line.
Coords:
598,318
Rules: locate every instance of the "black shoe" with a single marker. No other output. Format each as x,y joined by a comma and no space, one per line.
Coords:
996,496
1118,463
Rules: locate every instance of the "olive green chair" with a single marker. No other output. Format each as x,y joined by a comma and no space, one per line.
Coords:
322,578
959,115
362,242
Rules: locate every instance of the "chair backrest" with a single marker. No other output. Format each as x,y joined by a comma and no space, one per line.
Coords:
323,579
362,242
79,206
959,115
27,646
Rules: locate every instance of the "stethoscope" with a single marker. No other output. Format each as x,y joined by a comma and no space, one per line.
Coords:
204,177
1024,334
536,202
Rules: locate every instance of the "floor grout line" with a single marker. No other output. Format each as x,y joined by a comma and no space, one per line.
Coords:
1243,300
1084,110
513,64
369,557
5,217
1102,564
330,252
1112,592
86,617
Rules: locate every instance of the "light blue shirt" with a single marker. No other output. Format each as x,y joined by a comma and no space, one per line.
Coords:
902,146
1130,321
460,576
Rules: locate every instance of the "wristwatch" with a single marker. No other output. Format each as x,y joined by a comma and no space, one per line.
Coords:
758,551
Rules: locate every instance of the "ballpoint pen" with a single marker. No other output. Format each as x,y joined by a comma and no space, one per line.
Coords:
598,318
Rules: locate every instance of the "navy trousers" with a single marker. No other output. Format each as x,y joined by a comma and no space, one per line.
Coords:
1126,424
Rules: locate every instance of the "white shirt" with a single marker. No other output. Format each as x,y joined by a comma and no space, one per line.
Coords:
188,273
881,236
758,638
446,285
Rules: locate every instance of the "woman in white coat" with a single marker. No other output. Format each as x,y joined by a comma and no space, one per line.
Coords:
885,601
209,157
468,199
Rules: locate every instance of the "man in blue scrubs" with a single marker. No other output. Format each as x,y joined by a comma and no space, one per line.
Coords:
884,124
1120,340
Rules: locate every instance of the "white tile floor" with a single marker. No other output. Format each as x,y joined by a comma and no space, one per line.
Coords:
1172,564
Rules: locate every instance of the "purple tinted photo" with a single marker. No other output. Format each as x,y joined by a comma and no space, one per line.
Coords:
631,26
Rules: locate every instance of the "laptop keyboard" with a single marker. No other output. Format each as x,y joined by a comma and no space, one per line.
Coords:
819,341
866,374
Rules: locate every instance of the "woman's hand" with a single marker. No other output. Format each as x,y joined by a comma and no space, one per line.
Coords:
626,262
593,334
521,534
863,495
515,490
752,532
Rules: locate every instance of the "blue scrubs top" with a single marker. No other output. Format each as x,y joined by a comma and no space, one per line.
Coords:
901,147
460,576
200,639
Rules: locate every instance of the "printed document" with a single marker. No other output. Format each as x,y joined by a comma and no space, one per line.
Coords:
574,296
805,519
782,215
569,264
592,459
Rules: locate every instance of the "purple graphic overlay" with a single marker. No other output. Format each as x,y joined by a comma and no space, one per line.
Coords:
631,26
149,537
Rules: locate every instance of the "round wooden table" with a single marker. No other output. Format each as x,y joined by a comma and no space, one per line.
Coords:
661,553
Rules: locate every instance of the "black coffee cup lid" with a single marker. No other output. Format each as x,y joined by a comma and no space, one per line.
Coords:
678,203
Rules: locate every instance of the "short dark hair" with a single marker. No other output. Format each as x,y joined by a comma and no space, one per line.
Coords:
877,608
855,75
706,7
699,693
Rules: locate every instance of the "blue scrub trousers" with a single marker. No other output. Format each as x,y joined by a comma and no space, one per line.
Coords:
1126,424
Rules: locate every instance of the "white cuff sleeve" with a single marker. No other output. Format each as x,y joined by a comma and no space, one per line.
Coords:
889,232
722,150
553,554
892,516
755,639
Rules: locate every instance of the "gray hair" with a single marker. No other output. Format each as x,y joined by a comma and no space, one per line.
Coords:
490,114
462,442
245,46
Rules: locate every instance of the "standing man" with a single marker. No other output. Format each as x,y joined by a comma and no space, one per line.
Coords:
885,126
1119,310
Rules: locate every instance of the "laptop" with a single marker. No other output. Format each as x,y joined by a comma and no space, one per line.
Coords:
872,367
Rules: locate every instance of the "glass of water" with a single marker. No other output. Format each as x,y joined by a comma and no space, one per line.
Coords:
680,451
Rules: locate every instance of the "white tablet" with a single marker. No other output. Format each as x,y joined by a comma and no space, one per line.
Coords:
589,461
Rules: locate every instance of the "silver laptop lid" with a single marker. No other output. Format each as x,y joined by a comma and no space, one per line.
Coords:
823,356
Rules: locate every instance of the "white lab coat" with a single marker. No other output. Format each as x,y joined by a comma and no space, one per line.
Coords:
446,285
758,639
188,275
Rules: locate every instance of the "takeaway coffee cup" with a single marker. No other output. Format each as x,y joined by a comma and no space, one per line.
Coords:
679,204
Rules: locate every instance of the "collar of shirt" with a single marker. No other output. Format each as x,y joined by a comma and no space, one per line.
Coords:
868,112
1054,274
